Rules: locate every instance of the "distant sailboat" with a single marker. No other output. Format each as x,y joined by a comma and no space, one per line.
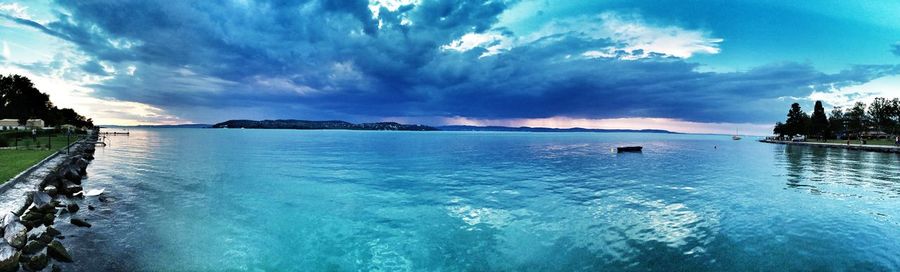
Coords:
735,136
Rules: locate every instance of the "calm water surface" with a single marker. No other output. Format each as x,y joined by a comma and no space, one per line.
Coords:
212,199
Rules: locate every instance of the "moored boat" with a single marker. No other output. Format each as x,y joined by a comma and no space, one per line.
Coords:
622,149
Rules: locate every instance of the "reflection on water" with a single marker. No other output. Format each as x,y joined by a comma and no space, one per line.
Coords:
840,172
211,199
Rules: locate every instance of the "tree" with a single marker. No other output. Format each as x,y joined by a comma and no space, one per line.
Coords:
19,99
857,120
818,124
895,114
797,121
881,112
779,129
836,121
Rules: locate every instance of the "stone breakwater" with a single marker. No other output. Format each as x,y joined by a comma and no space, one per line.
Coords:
30,241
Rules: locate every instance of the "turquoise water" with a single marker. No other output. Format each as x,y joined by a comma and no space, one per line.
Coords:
212,199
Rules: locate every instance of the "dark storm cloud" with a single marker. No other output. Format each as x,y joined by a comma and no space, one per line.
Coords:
335,57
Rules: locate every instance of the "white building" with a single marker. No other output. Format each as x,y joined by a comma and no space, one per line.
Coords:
14,124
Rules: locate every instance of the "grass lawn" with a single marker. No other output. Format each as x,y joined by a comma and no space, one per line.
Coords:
14,161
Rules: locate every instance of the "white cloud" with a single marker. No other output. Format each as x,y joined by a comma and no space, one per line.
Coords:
491,41
67,93
282,84
6,53
887,87
108,68
632,38
669,124
606,53
391,5
15,10
673,41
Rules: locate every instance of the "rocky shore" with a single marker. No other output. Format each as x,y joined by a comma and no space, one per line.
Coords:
30,241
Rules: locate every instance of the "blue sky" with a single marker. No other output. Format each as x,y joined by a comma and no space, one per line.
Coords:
691,66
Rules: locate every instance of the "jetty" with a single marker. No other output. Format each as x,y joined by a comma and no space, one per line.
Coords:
863,147
115,133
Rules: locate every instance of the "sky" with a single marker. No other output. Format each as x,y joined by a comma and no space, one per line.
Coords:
687,66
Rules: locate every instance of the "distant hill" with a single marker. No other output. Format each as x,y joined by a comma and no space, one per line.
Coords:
305,124
543,129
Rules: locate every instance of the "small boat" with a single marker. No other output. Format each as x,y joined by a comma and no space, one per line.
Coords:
622,149
735,136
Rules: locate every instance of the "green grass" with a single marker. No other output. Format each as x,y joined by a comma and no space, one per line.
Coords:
14,161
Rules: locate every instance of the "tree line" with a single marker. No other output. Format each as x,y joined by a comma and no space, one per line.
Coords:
20,100
882,115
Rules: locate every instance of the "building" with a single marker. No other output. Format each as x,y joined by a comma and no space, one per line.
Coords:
14,124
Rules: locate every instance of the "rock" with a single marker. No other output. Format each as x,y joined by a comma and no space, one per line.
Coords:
8,218
103,199
90,207
42,201
33,247
46,238
37,262
72,207
36,232
52,179
9,258
15,234
52,231
70,188
51,190
55,268
71,174
82,166
49,218
57,251
32,215
80,222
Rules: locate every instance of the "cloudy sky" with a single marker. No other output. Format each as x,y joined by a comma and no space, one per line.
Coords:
690,66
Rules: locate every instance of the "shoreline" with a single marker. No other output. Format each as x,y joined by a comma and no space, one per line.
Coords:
39,197
860,147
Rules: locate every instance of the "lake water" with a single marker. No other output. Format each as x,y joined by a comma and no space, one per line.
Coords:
214,199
